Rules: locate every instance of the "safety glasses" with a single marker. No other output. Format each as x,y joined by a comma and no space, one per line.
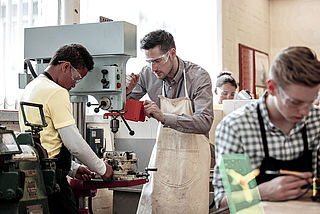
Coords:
294,103
159,60
75,74
223,93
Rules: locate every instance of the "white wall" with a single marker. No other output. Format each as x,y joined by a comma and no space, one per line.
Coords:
193,25
294,22
245,22
268,26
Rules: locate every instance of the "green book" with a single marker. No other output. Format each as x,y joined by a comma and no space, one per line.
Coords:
240,184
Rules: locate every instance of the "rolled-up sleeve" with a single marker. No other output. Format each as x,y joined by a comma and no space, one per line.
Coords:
199,89
140,89
200,122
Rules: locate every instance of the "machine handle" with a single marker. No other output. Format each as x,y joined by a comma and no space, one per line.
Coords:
90,104
96,110
131,132
153,169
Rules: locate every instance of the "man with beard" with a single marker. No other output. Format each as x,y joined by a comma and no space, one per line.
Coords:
181,99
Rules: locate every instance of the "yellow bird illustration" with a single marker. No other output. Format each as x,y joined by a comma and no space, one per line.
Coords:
243,181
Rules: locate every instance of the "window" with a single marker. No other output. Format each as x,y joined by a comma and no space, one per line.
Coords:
193,24
15,16
25,9
3,11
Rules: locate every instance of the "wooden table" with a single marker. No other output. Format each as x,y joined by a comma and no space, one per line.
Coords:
302,206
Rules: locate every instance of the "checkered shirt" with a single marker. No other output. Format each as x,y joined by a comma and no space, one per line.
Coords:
239,132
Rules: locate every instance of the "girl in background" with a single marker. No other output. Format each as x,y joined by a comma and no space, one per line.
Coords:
225,86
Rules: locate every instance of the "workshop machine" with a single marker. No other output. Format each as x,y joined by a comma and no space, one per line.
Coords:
111,44
11,179
124,165
27,175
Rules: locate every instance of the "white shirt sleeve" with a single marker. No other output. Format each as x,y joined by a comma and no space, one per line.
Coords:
74,168
78,147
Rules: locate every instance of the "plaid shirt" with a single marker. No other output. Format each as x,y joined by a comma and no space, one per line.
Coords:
239,132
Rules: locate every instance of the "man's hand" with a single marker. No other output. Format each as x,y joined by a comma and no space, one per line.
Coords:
152,110
131,82
284,187
84,173
108,173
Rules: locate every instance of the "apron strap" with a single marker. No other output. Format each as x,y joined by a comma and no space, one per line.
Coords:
264,137
178,95
185,81
305,139
163,91
181,83
263,133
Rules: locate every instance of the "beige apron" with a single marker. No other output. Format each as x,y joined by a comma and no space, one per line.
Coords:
181,184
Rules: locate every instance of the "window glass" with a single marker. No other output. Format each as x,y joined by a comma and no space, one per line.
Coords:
12,27
3,11
193,25
25,9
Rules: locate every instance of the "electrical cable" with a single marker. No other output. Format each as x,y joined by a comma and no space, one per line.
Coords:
211,205
308,187
90,210
27,63
220,210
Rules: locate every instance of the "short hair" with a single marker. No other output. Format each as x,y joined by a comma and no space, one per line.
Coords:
225,77
295,65
76,54
159,37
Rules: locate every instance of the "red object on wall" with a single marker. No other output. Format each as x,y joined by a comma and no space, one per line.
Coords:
134,111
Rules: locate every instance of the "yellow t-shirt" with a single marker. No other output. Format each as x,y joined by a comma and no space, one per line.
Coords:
56,108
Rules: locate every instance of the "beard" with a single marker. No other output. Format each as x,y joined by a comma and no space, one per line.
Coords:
171,72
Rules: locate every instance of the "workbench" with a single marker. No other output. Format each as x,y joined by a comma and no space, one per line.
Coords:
303,205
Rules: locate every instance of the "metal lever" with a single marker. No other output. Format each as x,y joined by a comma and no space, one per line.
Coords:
96,110
114,123
147,170
90,104
151,169
131,132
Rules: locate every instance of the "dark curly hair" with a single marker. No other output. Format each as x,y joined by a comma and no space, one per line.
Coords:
76,54
159,37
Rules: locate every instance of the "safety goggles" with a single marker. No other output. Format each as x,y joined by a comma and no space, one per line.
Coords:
226,93
294,103
159,60
75,74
